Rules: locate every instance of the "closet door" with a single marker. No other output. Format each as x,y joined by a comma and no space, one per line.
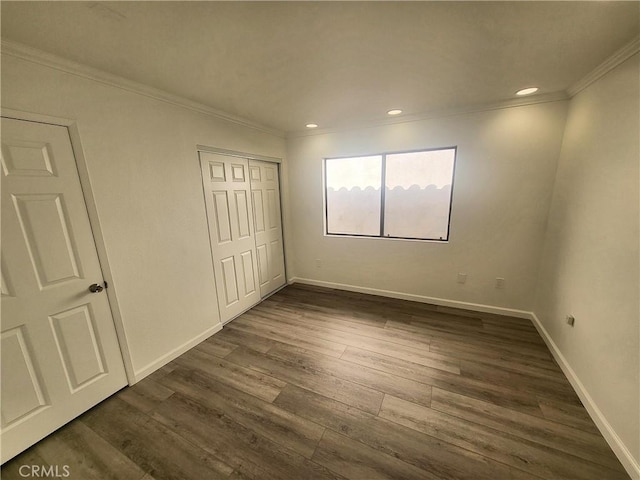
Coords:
230,213
265,193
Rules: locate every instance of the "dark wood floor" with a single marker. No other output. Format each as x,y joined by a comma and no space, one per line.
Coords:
321,384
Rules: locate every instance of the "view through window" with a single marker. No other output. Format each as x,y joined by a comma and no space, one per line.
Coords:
415,202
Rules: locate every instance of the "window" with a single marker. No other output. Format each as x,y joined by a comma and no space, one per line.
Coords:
415,202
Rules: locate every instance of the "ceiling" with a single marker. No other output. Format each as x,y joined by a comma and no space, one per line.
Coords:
286,64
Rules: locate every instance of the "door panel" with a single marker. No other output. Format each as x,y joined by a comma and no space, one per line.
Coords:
277,270
230,212
26,158
7,289
242,208
265,191
237,171
263,265
60,354
78,345
19,377
221,214
45,229
274,212
258,210
217,172
230,281
248,267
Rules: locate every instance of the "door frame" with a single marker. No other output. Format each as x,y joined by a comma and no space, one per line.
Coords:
94,221
263,158
235,153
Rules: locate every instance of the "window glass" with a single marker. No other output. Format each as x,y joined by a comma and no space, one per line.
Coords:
353,195
418,194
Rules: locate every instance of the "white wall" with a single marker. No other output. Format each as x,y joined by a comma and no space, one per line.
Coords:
590,262
145,176
504,176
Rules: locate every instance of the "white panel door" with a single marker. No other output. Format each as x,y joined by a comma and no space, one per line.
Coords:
60,354
265,193
229,212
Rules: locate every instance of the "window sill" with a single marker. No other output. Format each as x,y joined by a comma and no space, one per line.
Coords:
366,237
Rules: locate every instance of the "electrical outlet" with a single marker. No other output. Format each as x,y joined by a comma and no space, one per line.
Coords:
462,278
499,282
318,263
570,320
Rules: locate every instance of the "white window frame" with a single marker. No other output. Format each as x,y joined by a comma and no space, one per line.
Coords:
383,193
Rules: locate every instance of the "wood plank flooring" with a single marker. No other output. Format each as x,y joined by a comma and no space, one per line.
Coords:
322,384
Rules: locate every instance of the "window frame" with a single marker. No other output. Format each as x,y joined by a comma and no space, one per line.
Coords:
383,171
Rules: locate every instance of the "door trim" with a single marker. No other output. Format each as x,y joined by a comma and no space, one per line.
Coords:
234,153
94,221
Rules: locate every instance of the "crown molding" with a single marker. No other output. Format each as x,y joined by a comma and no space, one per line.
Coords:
447,112
34,55
40,57
605,67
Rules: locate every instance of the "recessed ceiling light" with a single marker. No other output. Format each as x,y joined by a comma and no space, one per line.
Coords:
394,112
527,91
311,125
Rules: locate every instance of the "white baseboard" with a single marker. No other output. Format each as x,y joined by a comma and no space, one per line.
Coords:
622,452
444,302
175,353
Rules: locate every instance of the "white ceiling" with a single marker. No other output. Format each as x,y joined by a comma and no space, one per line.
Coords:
285,64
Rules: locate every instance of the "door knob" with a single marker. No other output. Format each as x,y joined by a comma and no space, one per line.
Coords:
95,288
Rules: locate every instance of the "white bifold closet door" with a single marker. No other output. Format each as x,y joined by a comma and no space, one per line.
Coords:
265,194
243,210
231,232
